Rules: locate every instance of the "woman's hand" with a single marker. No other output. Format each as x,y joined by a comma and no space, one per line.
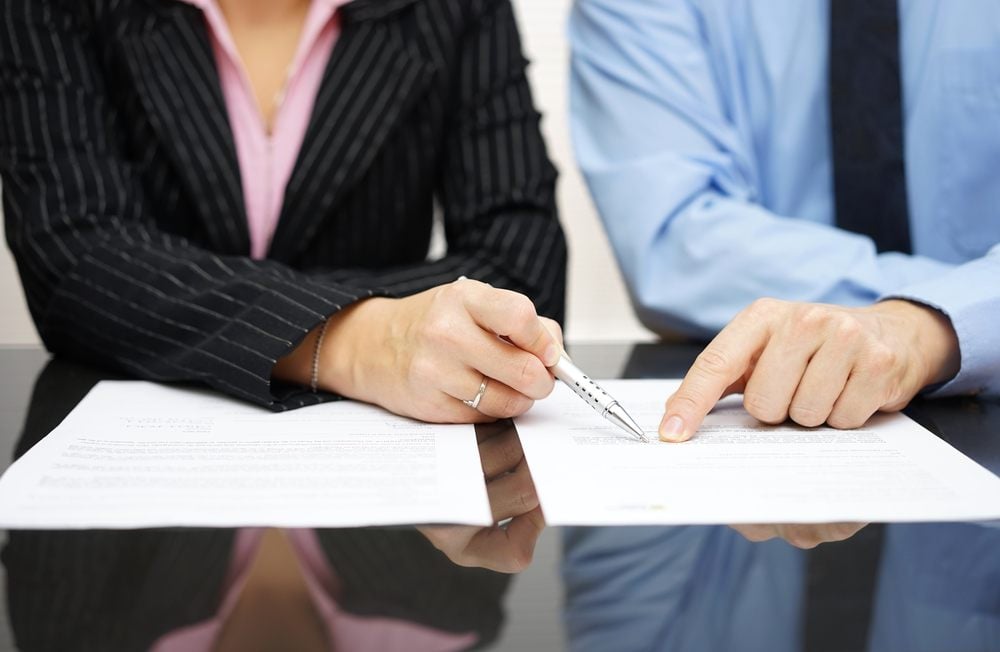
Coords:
507,549
422,356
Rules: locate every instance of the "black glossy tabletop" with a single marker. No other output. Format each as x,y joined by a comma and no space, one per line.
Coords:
931,586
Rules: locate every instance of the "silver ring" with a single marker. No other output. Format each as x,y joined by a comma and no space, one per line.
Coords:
474,403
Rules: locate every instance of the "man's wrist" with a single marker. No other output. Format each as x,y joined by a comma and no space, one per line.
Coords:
932,336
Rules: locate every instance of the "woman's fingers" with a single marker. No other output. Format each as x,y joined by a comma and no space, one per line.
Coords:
497,400
512,494
474,340
500,453
555,329
512,316
518,369
443,343
508,549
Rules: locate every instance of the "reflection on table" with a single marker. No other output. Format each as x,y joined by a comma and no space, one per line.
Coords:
902,587
164,589
918,587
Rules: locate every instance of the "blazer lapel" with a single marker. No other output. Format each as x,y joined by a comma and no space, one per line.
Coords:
371,80
177,81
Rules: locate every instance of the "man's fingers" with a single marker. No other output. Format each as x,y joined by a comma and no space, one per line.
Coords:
779,369
736,388
860,399
722,363
512,316
755,532
821,385
806,536
800,535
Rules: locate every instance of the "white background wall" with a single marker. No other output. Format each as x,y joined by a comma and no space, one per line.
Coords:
598,305
15,324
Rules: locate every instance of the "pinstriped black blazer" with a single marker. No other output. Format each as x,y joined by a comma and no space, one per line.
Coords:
123,196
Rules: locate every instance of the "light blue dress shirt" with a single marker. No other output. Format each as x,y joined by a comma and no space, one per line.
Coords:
702,129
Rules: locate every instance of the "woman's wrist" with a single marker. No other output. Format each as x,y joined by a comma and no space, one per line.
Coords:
331,356
351,345
296,366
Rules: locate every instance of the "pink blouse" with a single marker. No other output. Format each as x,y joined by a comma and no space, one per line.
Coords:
266,162
266,159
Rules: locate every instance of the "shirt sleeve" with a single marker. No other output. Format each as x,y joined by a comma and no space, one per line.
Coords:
970,296
674,179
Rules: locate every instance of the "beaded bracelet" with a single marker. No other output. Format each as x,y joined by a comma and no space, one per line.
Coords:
314,381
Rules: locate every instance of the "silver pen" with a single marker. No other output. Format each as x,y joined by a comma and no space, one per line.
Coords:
596,397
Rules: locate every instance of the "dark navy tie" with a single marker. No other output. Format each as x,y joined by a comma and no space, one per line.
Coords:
866,122
869,180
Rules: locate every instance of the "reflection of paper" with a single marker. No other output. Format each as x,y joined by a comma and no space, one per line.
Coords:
737,471
135,454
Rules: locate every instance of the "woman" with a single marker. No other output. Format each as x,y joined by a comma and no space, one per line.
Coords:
241,193
173,216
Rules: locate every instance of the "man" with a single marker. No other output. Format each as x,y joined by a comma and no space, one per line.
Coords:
708,138
840,156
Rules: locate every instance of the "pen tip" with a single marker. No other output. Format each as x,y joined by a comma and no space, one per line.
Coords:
619,416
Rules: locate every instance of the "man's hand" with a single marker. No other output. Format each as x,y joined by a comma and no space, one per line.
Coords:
801,535
507,549
816,363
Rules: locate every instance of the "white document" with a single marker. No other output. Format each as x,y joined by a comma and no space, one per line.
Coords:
136,454
736,470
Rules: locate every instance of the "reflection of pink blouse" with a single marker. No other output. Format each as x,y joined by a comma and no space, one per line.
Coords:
266,162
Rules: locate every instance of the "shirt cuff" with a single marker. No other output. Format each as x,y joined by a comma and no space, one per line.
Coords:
969,295
904,270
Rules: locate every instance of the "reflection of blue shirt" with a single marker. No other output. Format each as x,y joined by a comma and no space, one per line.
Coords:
702,129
